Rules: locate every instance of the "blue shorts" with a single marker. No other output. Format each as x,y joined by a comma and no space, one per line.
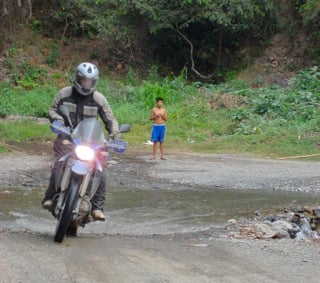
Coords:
158,132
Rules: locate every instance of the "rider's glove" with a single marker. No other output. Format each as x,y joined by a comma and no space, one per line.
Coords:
117,137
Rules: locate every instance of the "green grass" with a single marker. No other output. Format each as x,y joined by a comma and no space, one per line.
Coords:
26,130
273,121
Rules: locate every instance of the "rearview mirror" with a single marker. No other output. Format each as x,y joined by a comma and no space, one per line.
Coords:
124,128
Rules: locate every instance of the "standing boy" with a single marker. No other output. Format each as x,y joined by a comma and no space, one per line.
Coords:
159,117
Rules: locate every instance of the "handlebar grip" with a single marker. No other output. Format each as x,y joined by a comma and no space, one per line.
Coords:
117,146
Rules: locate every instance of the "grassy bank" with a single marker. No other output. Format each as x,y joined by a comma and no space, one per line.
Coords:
231,118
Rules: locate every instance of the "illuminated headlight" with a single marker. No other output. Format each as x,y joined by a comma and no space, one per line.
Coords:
84,153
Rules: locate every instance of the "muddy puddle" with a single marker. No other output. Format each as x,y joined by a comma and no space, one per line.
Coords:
145,212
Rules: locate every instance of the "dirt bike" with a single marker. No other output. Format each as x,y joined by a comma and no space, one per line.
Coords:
81,175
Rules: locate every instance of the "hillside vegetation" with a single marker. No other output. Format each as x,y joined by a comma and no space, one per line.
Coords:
210,40
258,95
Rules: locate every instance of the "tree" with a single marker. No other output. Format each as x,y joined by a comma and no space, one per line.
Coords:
203,36
200,35
13,11
310,13
217,21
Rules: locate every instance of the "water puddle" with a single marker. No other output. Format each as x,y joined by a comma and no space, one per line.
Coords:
143,212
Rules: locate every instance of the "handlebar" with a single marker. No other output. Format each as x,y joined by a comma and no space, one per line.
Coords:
117,146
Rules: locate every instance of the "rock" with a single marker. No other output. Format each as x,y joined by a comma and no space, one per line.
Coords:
232,221
283,225
308,209
282,228
316,212
264,231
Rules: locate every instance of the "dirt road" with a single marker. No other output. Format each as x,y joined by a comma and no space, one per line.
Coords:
205,256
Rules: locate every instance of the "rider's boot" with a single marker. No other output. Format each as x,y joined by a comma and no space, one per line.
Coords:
50,192
98,199
98,215
47,204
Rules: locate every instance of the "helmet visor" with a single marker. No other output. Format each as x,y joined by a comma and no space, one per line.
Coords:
86,83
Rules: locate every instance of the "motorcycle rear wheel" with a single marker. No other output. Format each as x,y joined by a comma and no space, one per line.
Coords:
65,217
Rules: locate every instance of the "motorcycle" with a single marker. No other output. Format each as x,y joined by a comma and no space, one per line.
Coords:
81,175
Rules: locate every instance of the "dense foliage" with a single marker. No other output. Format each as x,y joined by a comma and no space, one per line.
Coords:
226,117
191,40
203,37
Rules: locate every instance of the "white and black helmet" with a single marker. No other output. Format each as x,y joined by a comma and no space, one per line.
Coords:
86,78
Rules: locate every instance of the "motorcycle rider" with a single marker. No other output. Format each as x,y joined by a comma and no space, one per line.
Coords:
83,101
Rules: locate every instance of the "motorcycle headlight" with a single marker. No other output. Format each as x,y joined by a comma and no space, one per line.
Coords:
84,153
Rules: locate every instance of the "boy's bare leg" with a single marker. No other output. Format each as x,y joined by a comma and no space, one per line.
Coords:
161,151
154,150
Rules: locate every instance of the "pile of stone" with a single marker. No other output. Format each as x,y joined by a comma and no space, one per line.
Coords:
300,224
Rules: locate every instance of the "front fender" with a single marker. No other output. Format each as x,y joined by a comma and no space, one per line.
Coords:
80,167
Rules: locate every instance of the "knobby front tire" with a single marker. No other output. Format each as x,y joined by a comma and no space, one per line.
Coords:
64,220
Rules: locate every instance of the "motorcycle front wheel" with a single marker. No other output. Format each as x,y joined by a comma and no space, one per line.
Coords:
65,216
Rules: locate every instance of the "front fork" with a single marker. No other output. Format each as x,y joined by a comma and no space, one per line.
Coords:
83,190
